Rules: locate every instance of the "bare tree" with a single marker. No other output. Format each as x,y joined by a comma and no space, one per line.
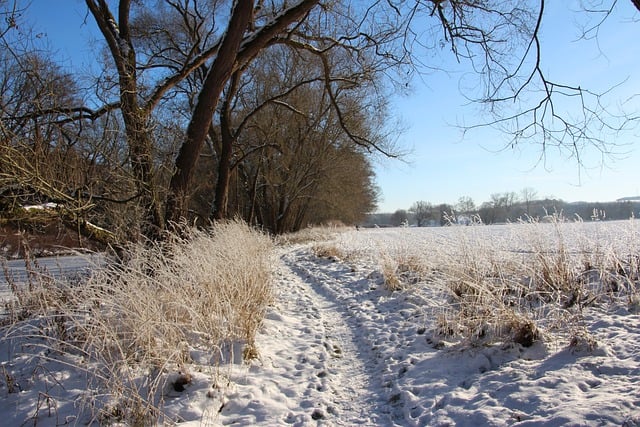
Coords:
199,49
500,208
422,211
466,205
399,217
528,195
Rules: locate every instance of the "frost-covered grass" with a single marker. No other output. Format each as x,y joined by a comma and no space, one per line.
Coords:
134,329
516,282
521,324
515,325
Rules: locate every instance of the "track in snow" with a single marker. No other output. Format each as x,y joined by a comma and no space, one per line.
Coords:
356,394
323,352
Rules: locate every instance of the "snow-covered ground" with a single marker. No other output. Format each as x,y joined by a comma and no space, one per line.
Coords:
56,267
65,267
339,349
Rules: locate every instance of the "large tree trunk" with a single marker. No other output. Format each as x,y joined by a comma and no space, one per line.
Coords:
227,139
141,152
136,119
220,72
221,202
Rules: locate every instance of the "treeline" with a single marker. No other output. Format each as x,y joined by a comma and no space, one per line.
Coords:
539,209
287,144
290,164
197,111
508,207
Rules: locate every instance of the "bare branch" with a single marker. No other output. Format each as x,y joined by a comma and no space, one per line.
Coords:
328,84
72,113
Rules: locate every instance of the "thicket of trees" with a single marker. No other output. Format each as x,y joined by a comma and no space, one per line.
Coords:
290,162
287,144
270,111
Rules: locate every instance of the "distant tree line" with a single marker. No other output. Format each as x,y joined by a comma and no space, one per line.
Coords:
502,208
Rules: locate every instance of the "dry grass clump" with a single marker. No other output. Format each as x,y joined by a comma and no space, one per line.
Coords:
401,270
327,250
485,308
389,270
552,268
540,288
481,318
134,322
208,286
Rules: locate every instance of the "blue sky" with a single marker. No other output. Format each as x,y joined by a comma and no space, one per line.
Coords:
443,165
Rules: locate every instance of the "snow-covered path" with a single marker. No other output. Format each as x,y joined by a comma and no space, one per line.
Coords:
316,368
349,396
370,327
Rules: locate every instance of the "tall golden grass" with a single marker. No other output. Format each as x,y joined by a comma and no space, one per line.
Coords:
132,325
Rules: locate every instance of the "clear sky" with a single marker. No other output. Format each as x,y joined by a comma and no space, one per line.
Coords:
443,165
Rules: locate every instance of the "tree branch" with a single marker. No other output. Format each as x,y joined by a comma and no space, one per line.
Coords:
328,84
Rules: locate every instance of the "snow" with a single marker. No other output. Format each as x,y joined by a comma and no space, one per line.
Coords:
57,268
339,349
43,206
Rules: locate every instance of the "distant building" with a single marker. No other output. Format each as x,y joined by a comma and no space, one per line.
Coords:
634,199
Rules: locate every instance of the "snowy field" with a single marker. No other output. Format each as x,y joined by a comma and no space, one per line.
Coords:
54,268
366,329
